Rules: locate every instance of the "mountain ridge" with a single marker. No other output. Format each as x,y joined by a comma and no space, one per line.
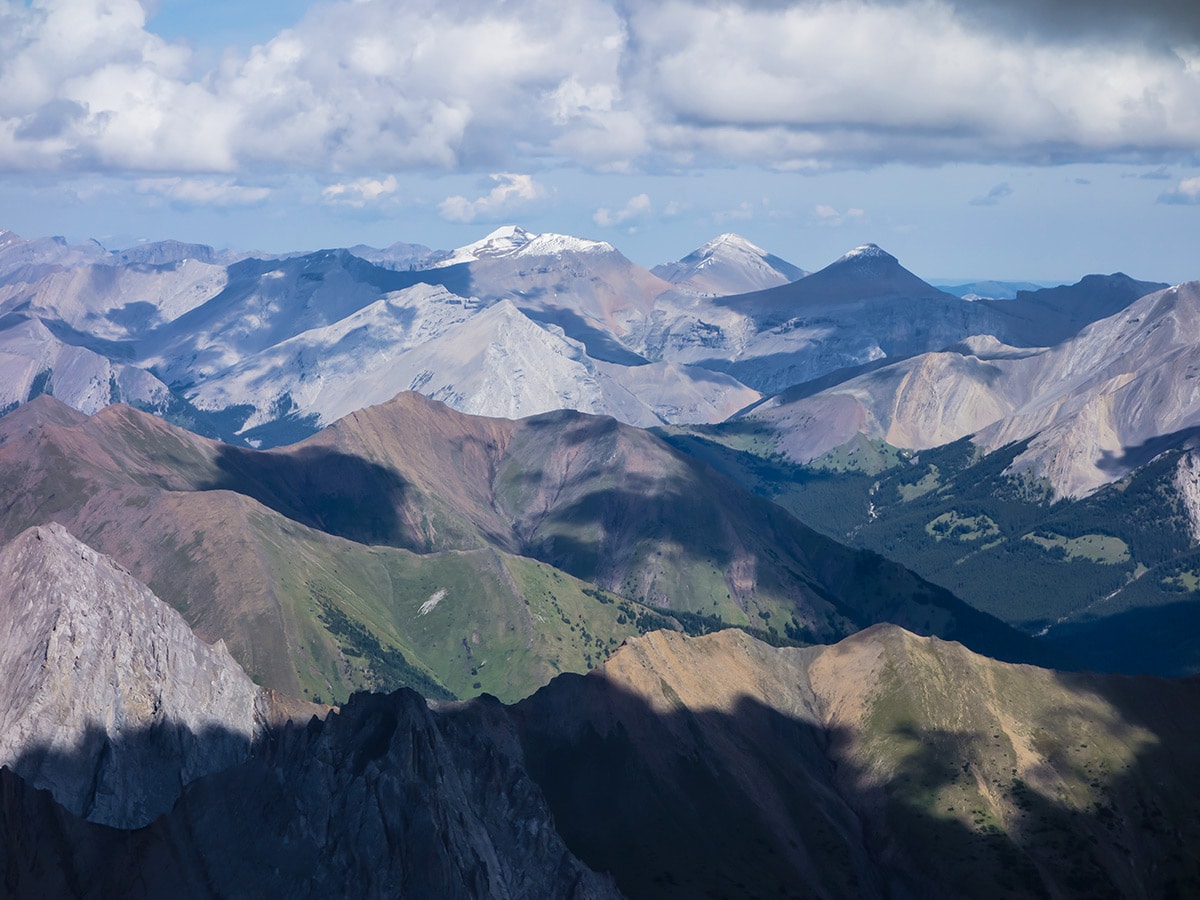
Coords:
1118,384
855,769
381,511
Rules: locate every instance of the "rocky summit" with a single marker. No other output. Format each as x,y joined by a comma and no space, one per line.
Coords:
110,701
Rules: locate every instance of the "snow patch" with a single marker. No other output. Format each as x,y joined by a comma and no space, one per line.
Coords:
866,251
736,241
431,604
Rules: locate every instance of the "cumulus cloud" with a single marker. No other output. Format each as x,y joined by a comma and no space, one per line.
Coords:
828,215
363,86
909,80
992,197
1187,192
202,191
638,207
511,192
360,192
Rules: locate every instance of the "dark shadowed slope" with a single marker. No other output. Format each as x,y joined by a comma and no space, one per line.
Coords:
1047,317
885,766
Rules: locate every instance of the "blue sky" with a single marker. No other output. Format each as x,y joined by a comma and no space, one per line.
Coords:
971,138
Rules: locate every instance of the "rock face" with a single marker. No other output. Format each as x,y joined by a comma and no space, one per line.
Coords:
1187,484
384,799
109,700
33,361
492,361
114,707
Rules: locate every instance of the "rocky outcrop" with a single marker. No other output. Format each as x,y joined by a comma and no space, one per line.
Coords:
108,699
1187,486
383,799
124,718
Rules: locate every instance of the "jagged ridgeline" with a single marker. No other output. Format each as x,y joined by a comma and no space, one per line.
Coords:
412,545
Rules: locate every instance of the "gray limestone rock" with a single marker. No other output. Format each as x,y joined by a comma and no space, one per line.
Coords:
107,698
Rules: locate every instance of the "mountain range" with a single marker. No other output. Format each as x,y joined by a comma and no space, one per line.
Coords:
435,546
519,569
1087,403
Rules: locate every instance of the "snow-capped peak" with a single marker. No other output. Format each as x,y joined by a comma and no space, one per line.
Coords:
512,240
728,264
504,241
553,244
866,251
732,241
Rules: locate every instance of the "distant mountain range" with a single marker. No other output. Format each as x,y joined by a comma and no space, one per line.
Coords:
269,350
993,290
1088,404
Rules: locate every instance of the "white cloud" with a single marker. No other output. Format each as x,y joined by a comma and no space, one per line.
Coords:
828,215
511,192
362,86
202,191
361,192
1186,192
912,80
638,207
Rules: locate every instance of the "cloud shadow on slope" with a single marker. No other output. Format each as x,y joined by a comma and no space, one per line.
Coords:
695,521
383,798
1136,456
334,492
1159,640
598,344
754,802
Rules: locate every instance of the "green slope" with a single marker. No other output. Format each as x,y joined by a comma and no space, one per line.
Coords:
1081,572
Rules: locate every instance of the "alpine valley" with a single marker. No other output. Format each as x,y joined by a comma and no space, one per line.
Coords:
521,570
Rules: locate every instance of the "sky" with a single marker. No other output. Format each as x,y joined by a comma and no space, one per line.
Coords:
973,139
